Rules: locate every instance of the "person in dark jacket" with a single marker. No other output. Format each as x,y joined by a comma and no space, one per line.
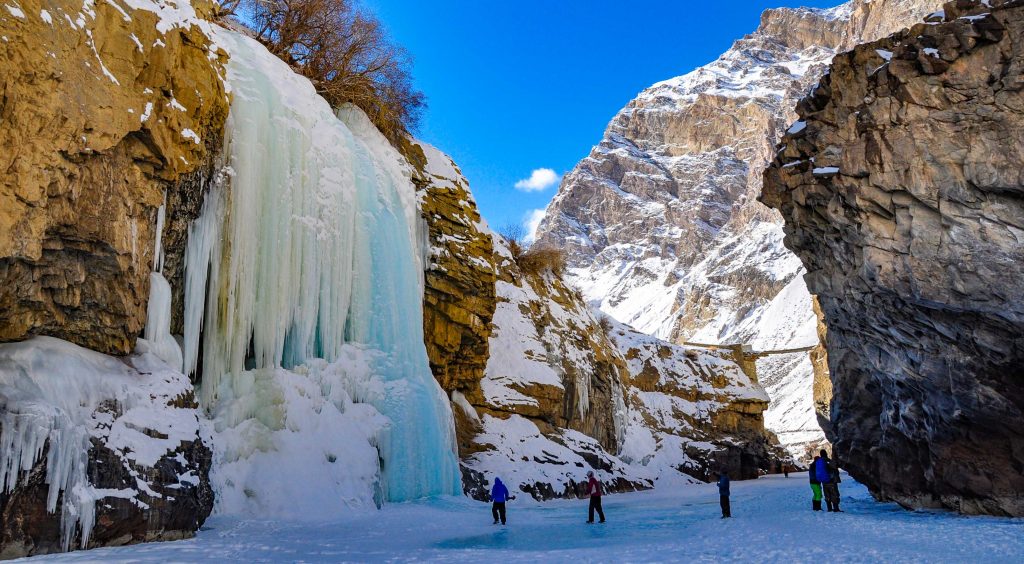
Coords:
832,487
723,494
499,495
815,484
594,490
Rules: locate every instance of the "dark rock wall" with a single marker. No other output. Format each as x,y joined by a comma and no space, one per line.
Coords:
904,197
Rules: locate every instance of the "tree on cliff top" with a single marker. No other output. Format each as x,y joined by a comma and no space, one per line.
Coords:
343,50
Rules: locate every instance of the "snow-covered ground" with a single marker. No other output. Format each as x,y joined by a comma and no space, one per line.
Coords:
772,523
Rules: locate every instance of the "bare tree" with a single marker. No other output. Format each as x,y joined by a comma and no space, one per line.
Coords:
513,233
343,50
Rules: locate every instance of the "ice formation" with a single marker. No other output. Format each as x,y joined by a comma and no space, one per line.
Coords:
58,397
158,311
307,254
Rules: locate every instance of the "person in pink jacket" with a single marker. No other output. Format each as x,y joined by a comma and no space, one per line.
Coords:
594,490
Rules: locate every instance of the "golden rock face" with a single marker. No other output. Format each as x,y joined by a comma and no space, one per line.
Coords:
101,114
459,295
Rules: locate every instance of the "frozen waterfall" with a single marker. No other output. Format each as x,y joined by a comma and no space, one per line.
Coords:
303,275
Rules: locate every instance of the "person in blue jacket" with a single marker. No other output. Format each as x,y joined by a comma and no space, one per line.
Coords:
723,493
815,484
499,495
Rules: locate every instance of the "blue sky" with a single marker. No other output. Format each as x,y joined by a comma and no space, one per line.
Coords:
517,86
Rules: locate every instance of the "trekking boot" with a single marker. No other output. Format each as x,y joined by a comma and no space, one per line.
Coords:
816,505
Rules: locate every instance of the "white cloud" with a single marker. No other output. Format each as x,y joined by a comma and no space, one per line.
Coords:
540,179
531,222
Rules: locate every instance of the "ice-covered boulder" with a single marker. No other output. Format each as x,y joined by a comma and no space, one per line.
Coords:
96,450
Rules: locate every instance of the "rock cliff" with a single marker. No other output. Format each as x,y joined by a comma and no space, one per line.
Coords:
105,110
661,220
692,411
901,190
459,297
555,390
108,111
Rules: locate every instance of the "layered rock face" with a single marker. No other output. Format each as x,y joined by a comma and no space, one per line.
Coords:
459,297
552,395
661,221
693,411
566,391
104,111
107,112
901,190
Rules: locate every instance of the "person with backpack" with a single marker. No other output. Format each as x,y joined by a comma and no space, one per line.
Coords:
832,488
823,471
594,490
723,494
499,495
815,484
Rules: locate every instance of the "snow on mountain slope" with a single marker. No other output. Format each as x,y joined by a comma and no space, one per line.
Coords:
566,391
661,220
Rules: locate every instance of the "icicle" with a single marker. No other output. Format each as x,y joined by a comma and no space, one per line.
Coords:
158,251
158,310
202,235
158,322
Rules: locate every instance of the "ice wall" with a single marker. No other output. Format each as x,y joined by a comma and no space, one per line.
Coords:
308,250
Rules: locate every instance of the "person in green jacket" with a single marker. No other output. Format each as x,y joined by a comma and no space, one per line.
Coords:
815,485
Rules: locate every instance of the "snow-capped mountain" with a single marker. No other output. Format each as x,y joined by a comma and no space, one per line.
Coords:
661,219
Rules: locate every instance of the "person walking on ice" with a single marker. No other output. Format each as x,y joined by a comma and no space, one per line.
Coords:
815,484
499,495
723,493
594,490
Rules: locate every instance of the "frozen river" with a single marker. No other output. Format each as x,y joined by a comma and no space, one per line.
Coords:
772,522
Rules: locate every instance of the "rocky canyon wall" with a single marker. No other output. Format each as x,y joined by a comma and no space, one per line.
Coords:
107,112
104,111
901,189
